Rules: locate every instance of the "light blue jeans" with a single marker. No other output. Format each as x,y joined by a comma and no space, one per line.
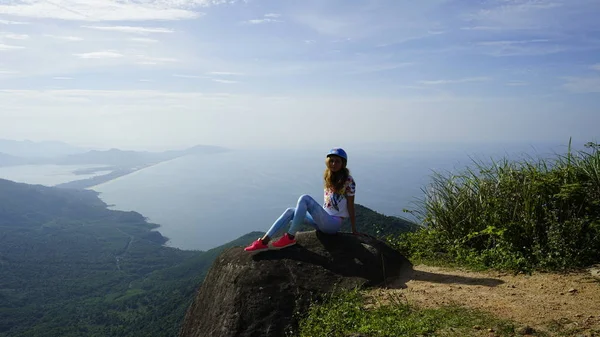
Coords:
317,217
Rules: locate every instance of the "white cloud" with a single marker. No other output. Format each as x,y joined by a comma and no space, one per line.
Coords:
520,47
88,96
62,78
381,22
143,39
224,81
64,37
461,80
596,66
7,22
132,29
99,55
14,36
150,60
582,84
261,21
41,114
225,73
376,67
187,76
327,25
414,87
9,47
145,80
483,28
268,18
510,43
403,39
7,72
557,18
108,10
514,14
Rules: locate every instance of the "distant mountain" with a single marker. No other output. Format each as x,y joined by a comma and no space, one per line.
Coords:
9,160
379,225
30,149
120,158
198,149
113,157
57,153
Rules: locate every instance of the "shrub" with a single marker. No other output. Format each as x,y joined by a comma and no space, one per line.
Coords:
533,214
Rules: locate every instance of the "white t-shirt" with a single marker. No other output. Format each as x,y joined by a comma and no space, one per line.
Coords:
336,204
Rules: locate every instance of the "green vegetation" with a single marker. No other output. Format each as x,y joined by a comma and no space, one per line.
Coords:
379,225
344,313
522,216
373,223
525,215
71,267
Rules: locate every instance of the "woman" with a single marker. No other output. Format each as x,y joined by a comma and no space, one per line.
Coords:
339,190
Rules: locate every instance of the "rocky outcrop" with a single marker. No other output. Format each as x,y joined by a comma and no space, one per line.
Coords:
261,294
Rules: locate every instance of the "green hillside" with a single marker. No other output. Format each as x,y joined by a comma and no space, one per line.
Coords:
69,266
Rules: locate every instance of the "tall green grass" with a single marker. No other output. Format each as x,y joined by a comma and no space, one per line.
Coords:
521,215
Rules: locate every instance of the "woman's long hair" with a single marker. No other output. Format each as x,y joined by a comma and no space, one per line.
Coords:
336,180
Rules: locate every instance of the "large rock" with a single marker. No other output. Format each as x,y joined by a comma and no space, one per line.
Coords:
260,294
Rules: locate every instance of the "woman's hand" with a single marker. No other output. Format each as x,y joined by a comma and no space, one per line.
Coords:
351,211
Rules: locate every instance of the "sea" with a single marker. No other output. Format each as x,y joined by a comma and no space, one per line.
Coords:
203,201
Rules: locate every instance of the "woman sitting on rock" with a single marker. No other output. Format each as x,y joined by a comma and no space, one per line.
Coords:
338,205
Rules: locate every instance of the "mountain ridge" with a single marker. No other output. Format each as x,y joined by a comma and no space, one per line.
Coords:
111,157
71,266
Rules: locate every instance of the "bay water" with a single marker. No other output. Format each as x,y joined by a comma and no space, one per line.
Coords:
201,202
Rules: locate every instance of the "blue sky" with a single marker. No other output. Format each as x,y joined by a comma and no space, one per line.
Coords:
155,74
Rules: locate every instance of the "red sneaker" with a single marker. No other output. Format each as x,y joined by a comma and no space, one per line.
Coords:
256,246
285,241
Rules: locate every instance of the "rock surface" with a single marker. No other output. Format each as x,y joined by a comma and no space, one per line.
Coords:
261,294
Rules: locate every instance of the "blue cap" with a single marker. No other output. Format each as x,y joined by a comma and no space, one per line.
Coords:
338,152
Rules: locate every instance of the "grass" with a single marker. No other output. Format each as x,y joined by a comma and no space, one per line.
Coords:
343,314
535,214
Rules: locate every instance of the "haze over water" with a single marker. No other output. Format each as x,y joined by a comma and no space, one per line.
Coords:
204,201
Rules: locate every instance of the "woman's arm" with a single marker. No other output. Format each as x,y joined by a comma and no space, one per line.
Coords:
352,214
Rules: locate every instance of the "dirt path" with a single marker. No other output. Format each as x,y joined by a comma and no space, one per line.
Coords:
558,304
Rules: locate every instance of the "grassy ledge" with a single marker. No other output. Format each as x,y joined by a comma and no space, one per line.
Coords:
345,314
539,214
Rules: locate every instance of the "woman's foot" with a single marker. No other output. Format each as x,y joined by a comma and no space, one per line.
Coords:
257,246
285,241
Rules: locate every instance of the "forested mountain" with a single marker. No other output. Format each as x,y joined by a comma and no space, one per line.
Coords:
71,267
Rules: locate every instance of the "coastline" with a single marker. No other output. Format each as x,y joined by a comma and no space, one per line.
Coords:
117,172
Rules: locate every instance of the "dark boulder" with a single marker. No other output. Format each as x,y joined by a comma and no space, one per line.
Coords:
261,294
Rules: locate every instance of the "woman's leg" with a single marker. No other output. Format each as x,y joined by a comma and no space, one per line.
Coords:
283,220
310,221
324,222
